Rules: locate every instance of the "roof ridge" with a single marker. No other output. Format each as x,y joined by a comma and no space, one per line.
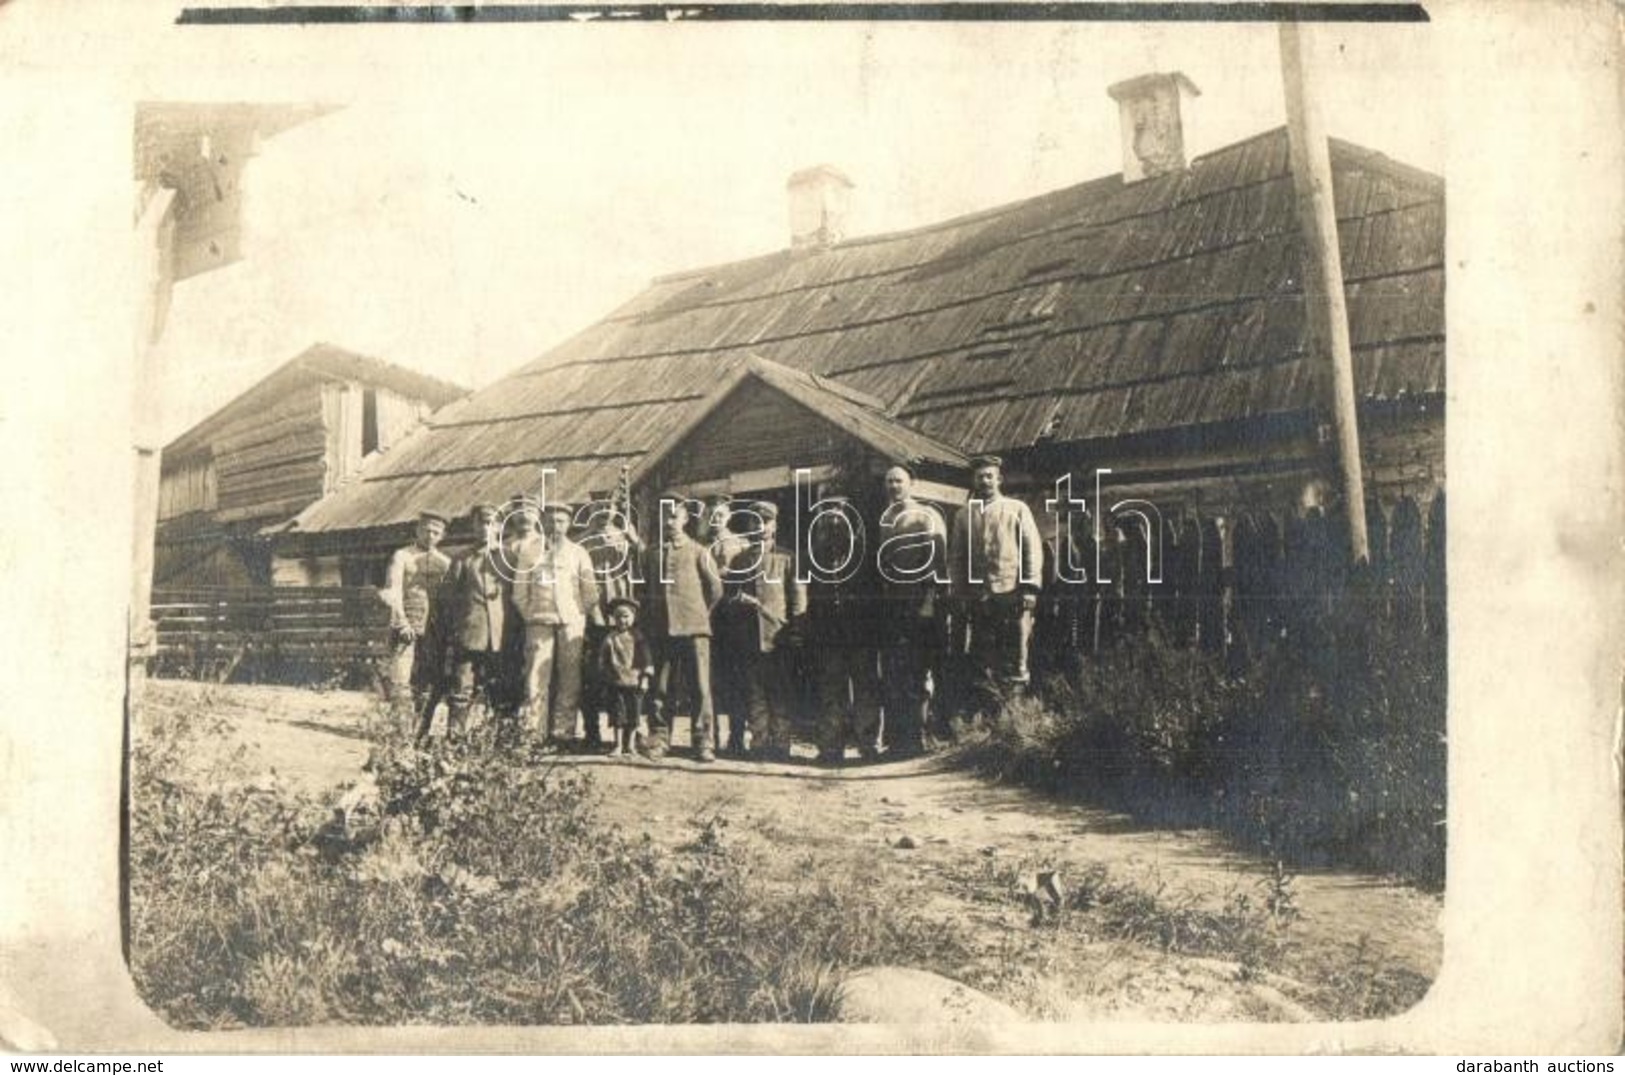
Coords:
314,353
1228,147
310,360
1380,161
871,424
961,219
773,369
618,317
1351,151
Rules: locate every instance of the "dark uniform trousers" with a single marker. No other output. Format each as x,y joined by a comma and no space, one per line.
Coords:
912,645
471,619
682,674
847,698
754,625
417,675
468,669
756,691
957,679
731,682
768,698
1001,635
842,651
598,697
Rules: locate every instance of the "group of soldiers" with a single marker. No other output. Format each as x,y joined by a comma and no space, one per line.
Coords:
563,631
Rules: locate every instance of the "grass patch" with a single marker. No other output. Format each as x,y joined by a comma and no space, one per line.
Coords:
1251,924
1254,924
1324,748
477,887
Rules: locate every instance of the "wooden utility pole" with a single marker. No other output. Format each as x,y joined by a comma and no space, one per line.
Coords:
1323,298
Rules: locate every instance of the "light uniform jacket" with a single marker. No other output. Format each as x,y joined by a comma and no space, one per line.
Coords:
684,585
995,548
415,575
779,597
553,584
475,595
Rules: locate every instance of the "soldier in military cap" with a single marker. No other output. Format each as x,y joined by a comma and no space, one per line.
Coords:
519,518
683,586
712,529
411,585
474,606
762,600
996,565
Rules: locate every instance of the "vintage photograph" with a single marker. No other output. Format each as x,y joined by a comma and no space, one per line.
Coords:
892,523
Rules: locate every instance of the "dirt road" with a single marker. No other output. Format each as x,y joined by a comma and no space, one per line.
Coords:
927,838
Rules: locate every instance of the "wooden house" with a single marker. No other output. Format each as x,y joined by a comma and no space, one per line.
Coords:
294,437
1149,323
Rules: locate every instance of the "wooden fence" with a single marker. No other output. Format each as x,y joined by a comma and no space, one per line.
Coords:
288,634
1231,584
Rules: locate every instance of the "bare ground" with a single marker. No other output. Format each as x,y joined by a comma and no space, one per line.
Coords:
1356,942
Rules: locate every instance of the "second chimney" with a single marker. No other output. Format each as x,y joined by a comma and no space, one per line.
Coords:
819,197
1153,134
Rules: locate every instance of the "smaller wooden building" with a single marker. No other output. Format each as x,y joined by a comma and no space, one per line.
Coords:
297,435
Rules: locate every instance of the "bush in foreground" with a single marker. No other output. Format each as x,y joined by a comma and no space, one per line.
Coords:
1324,749
485,891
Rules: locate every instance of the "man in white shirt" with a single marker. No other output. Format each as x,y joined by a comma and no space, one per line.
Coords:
996,561
553,591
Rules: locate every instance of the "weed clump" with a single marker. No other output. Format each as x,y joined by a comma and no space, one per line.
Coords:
474,886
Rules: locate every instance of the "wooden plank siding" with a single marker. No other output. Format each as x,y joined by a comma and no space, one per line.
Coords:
343,415
273,451
273,457
187,486
756,428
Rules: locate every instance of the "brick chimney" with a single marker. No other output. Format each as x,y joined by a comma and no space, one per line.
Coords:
1153,134
819,197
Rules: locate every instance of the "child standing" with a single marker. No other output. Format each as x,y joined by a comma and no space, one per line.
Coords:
624,669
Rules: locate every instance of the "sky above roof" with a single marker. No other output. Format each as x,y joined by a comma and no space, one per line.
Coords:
475,202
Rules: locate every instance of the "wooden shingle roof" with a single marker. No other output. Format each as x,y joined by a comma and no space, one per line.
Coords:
1092,312
319,362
